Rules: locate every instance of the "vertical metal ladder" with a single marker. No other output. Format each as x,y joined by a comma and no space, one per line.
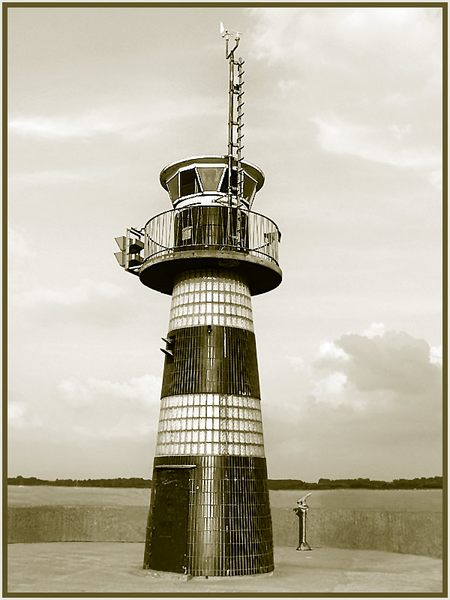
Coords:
235,133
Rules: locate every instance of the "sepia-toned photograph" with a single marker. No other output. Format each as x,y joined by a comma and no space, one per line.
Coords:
224,279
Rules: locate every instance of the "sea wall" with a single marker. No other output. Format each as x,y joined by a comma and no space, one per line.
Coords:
390,531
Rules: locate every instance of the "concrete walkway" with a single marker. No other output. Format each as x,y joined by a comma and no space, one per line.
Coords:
90,567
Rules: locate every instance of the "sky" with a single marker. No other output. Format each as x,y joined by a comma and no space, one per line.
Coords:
343,115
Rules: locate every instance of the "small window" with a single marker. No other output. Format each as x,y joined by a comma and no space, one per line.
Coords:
172,186
249,187
189,183
210,177
224,186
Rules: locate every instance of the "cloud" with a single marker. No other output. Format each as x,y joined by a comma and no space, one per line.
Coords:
93,409
330,389
286,86
52,177
369,79
375,329
137,390
20,416
64,127
134,124
329,350
436,355
296,362
104,409
380,144
90,302
338,37
84,293
395,361
365,404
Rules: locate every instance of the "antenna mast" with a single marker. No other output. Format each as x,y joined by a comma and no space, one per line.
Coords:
235,126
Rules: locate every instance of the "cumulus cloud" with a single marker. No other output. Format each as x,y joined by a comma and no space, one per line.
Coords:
329,350
375,329
330,389
394,361
367,404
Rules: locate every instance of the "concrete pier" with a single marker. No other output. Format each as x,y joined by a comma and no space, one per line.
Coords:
117,568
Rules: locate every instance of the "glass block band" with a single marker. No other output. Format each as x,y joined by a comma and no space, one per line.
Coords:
210,424
211,297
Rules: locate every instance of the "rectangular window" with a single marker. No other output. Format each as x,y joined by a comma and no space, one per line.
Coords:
189,183
172,186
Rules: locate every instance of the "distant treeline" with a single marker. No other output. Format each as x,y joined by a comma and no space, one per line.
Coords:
359,483
274,484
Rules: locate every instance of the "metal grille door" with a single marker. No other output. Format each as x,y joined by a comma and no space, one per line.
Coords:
168,528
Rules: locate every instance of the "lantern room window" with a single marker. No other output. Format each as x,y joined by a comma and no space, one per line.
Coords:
224,186
210,177
172,186
189,183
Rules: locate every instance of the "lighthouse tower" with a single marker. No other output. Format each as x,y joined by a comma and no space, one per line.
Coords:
210,512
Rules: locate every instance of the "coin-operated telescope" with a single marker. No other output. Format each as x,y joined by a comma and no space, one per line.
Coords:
301,511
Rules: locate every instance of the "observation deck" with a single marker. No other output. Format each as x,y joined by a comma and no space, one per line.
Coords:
211,225
207,236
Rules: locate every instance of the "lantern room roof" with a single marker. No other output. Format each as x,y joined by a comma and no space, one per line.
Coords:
173,168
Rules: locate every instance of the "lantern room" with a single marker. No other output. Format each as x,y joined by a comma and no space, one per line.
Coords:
204,180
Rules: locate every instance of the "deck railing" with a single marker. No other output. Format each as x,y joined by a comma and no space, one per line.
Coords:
211,227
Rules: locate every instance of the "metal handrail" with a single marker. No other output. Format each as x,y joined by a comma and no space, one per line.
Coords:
207,226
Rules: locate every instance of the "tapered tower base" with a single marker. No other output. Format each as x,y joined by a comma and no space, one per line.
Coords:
210,516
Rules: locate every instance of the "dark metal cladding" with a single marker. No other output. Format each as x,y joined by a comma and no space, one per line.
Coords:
212,226
211,359
229,530
170,511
